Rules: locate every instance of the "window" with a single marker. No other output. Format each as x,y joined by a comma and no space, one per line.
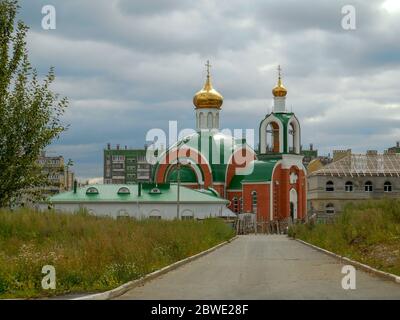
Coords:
187,217
272,138
92,190
155,191
348,187
368,186
122,213
209,120
123,190
330,187
155,217
330,208
254,201
235,205
241,204
118,158
387,187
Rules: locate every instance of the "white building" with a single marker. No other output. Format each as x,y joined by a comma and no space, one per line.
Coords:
145,200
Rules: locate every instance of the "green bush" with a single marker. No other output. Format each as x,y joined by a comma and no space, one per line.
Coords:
93,253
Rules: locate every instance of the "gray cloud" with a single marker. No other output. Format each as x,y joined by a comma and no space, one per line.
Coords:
129,66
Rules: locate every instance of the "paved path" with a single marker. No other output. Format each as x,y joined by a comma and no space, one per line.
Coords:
263,267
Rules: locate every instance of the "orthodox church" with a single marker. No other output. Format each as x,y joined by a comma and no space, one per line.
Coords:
270,181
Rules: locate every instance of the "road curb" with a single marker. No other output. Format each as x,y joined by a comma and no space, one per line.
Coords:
386,275
107,295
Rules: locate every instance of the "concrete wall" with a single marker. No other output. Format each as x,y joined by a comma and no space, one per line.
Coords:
318,197
166,211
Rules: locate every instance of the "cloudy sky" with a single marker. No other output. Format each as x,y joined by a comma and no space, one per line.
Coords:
128,66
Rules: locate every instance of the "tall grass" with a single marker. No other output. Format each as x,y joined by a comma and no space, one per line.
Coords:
93,253
368,232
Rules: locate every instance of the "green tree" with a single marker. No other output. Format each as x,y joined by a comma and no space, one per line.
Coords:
29,111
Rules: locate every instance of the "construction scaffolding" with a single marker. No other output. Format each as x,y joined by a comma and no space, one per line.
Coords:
357,165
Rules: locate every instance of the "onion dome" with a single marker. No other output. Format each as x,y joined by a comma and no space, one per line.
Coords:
279,90
208,97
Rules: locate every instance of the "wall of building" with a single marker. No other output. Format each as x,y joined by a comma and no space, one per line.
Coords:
230,196
263,199
319,198
142,210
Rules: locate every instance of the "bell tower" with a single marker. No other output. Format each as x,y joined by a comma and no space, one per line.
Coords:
279,130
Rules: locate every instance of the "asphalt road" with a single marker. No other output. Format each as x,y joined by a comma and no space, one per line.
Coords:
263,267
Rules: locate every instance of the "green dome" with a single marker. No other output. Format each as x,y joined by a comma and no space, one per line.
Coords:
186,175
216,147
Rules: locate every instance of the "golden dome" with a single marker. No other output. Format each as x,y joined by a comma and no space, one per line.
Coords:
279,90
208,97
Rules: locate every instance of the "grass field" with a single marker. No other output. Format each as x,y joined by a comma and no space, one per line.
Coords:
367,232
91,253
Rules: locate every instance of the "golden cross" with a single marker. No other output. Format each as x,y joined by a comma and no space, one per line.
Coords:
208,65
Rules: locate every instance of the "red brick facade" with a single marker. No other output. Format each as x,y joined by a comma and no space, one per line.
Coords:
254,197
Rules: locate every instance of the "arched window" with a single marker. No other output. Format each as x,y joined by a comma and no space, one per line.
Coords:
254,201
209,120
348,187
241,205
187,215
155,214
235,205
330,209
216,121
272,138
122,213
155,191
92,190
291,138
123,190
294,136
387,187
201,120
330,187
368,187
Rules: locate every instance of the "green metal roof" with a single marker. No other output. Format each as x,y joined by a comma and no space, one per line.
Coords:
236,183
109,193
210,191
262,171
186,175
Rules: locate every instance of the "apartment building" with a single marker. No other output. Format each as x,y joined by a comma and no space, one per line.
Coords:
125,166
59,176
